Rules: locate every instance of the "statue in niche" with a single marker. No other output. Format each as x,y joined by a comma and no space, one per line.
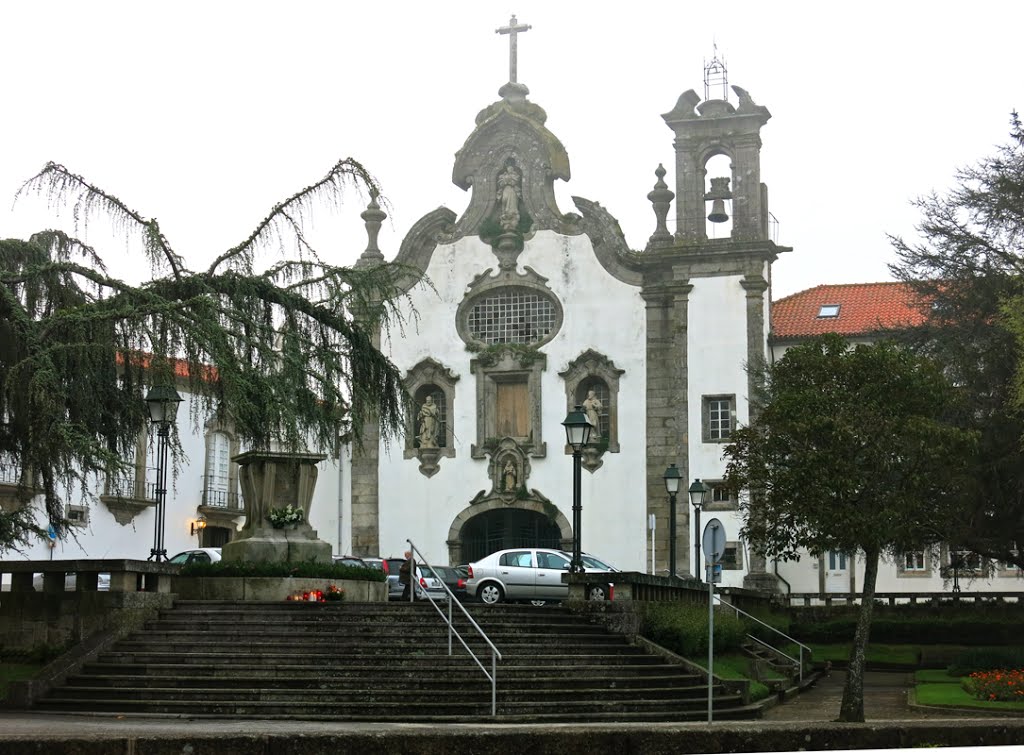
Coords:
593,407
509,476
509,192
428,423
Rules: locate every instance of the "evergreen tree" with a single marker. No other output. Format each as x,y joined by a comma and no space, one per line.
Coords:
968,268
850,450
287,353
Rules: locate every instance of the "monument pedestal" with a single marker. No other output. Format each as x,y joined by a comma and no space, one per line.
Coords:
273,480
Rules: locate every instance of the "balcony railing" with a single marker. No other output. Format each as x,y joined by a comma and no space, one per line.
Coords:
216,494
10,473
127,486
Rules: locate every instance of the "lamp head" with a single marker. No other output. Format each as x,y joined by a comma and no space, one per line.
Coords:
162,401
698,493
673,479
577,428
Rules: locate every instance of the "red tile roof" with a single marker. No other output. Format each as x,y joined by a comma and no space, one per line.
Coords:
864,308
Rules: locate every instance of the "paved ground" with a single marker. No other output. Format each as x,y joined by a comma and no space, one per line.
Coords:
885,699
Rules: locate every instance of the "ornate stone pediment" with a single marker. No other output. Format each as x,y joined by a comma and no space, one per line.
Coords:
511,134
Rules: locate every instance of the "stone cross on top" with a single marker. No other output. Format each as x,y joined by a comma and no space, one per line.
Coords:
512,30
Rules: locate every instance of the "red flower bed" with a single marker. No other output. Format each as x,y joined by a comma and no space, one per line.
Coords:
999,684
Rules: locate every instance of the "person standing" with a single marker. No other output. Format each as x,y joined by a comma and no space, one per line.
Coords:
407,575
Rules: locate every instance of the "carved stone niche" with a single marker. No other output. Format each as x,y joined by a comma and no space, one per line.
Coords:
509,470
431,378
593,371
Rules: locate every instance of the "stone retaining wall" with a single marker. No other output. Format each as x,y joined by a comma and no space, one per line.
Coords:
273,589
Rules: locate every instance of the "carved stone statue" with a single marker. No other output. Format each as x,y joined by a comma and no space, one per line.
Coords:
593,407
509,192
428,423
509,476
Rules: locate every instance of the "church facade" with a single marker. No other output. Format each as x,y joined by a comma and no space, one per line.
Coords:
525,310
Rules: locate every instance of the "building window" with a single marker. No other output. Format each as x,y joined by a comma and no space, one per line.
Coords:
720,498
966,562
77,515
512,315
719,415
732,557
828,310
217,483
913,563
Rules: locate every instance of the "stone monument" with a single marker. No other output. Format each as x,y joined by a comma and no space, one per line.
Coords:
272,481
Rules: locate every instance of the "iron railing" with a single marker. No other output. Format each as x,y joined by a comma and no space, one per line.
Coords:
128,486
216,494
452,631
799,662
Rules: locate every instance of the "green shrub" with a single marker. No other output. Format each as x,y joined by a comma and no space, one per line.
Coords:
268,569
986,659
923,629
683,629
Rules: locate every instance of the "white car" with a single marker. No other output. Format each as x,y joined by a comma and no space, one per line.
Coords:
533,574
196,556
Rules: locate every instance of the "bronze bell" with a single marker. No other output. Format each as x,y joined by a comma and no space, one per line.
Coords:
718,194
718,213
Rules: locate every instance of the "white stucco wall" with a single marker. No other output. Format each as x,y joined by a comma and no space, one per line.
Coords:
601,313
717,355
103,537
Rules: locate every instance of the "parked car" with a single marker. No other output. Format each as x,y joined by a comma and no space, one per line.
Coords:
376,563
429,581
350,561
196,556
533,574
454,579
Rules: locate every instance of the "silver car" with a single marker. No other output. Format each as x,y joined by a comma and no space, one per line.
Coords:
533,574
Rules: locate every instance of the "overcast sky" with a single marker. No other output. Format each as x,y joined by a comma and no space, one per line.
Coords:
204,114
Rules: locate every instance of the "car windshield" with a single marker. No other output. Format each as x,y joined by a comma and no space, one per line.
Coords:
446,573
590,562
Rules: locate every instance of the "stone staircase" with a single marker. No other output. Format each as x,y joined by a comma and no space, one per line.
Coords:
382,662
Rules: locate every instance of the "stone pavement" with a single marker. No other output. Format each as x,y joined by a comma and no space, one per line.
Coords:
885,699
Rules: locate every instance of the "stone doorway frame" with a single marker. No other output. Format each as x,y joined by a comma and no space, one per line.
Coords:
454,541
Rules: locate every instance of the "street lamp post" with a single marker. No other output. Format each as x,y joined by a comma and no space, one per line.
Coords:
577,433
162,402
698,497
673,479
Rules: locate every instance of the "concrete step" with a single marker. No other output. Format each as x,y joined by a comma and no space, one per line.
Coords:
290,658
381,662
453,680
564,710
581,694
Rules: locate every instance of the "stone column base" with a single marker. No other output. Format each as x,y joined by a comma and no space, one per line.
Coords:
285,545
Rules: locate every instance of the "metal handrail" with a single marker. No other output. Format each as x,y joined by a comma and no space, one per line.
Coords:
802,646
452,631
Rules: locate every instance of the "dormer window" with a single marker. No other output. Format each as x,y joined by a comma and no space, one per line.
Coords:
828,310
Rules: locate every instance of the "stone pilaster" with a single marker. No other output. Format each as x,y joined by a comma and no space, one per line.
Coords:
667,414
366,485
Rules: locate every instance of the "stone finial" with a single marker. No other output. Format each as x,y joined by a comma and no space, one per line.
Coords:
373,216
661,197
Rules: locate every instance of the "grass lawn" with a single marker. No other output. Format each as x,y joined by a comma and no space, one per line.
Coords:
943,693
737,666
14,672
935,676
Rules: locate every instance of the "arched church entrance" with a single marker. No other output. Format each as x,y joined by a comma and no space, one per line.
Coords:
500,527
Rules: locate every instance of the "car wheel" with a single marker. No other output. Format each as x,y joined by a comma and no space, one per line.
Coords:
537,602
597,592
490,594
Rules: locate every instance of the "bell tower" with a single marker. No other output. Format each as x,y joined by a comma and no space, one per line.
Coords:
704,130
